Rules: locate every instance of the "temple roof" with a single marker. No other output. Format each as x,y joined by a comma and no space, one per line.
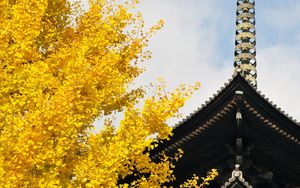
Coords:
271,138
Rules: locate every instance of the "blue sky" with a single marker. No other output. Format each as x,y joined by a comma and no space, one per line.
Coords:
197,44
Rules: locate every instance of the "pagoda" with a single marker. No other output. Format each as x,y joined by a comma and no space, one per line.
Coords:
239,131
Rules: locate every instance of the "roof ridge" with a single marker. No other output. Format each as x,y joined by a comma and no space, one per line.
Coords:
206,102
228,82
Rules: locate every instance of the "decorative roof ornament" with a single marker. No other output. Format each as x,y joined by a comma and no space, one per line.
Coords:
236,179
245,41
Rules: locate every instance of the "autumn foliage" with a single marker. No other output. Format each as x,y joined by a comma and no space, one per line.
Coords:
62,68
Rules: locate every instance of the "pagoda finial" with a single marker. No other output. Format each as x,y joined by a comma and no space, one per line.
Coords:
245,50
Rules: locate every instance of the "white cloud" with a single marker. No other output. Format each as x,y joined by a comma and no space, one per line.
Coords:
185,50
190,48
279,60
279,76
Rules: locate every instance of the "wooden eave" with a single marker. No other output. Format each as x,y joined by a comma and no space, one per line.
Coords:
202,135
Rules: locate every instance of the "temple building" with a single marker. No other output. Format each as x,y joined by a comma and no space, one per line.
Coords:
239,131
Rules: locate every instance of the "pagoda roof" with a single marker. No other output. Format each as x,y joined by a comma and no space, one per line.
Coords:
271,138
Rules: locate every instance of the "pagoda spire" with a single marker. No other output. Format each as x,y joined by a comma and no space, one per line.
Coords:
245,41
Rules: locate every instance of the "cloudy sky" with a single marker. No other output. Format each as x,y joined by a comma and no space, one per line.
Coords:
197,44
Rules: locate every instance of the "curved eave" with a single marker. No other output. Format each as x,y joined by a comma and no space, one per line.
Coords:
207,136
222,103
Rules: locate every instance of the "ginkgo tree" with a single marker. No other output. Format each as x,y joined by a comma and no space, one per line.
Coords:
62,68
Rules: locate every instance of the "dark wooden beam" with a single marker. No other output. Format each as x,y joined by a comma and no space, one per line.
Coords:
239,128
